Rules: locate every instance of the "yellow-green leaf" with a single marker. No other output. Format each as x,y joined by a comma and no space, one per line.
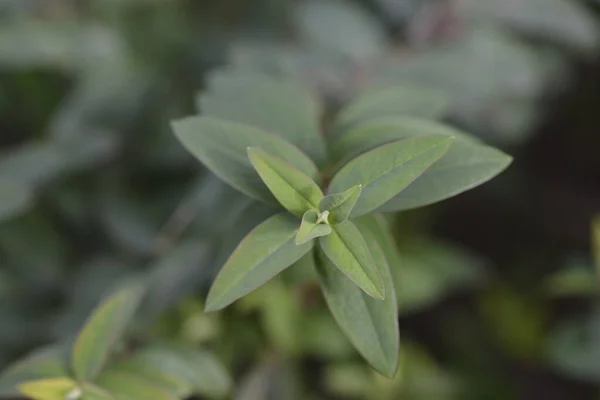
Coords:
49,389
348,251
102,331
295,191
127,386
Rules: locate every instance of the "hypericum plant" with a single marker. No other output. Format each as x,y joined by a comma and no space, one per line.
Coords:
262,136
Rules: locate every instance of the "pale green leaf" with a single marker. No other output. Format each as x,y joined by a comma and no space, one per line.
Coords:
295,191
413,101
388,169
266,251
14,199
48,389
340,205
179,369
310,229
348,251
93,392
46,363
371,325
467,164
282,107
127,386
222,147
102,331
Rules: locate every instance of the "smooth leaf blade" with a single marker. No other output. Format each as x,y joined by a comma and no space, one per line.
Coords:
371,325
47,363
222,147
310,229
295,191
348,251
48,389
388,169
340,205
377,103
102,330
263,253
127,386
272,104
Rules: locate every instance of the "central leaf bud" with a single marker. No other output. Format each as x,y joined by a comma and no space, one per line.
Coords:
323,218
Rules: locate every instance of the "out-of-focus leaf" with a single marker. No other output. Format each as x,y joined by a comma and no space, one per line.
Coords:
263,253
127,386
349,380
560,21
49,389
346,248
102,330
47,363
93,392
596,242
370,324
412,101
575,280
222,147
389,169
294,190
282,317
340,27
270,381
179,369
14,199
281,107
323,338
574,348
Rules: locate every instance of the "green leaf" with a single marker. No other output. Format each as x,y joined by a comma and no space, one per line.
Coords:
14,199
377,103
290,186
596,242
271,104
222,147
310,229
179,369
127,386
48,389
340,205
51,362
386,170
348,251
467,164
266,251
371,325
102,330
93,392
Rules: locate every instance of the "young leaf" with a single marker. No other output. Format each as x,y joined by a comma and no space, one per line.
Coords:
51,362
295,191
222,147
266,251
411,101
386,170
468,162
102,330
181,370
371,325
127,386
271,104
347,250
310,229
48,389
340,205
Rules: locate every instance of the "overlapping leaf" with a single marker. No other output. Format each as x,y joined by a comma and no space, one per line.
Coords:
340,205
310,228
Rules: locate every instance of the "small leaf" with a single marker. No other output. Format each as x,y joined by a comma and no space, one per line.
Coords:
411,101
102,330
310,229
51,362
48,389
293,189
371,325
272,104
347,250
266,251
127,386
179,369
222,147
386,170
340,205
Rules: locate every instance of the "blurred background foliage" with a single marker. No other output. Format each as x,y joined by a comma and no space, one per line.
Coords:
497,288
